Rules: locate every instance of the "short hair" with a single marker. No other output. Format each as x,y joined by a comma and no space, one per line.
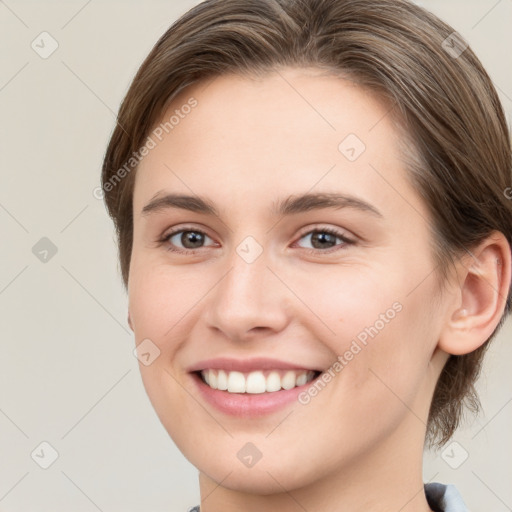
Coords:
457,144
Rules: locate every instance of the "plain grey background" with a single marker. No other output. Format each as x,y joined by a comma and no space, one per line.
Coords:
68,376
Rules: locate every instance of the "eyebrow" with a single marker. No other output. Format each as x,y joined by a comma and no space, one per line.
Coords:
289,206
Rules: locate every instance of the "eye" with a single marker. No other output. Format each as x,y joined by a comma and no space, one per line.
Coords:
190,240
324,240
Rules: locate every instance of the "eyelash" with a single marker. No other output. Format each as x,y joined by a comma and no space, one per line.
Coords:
346,241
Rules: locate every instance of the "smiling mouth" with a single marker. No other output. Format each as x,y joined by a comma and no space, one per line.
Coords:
256,382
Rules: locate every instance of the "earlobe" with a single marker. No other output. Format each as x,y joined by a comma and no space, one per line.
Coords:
484,282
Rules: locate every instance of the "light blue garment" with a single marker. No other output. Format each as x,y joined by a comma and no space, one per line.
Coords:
440,497
444,498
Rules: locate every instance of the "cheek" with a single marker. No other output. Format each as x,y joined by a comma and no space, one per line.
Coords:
160,307
350,302
379,330
160,300
161,303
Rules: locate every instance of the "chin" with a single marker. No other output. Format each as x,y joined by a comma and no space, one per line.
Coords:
270,475
264,481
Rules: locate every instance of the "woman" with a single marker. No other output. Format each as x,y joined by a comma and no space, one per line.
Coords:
314,231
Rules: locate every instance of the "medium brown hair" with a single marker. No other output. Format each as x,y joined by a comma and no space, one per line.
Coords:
460,154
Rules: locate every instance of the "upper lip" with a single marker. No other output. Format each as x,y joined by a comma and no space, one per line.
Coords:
247,365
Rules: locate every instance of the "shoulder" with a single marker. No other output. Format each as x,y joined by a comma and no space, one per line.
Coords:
444,498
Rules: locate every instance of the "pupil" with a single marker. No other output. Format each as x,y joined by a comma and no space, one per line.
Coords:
323,238
193,238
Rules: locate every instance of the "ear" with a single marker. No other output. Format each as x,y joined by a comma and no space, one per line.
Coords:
484,281
130,321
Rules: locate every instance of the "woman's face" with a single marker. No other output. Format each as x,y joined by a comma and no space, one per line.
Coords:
301,248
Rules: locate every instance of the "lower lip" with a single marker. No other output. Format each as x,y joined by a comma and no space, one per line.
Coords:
248,405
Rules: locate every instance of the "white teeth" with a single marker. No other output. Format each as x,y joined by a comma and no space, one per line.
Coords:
222,380
212,379
236,382
288,381
256,382
273,382
302,379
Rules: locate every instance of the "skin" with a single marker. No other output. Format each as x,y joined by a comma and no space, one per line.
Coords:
359,442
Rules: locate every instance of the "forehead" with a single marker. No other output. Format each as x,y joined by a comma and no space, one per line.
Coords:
292,128
300,102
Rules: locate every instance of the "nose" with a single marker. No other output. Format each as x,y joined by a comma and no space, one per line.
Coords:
249,300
